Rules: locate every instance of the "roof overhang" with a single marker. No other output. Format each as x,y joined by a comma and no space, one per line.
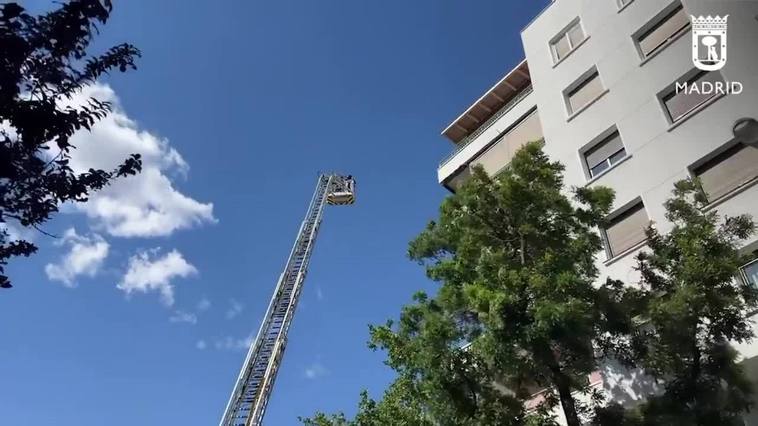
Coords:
486,106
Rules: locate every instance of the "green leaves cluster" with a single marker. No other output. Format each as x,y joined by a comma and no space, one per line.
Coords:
516,260
401,405
43,63
519,309
695,308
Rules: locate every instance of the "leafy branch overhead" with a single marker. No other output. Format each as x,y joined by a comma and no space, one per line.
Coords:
43,64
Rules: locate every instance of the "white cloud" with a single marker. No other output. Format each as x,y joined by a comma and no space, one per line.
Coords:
235,308
149,272
85,257
230,343
315,370
319,294
203,305
201,344
191,317
181,316
144,205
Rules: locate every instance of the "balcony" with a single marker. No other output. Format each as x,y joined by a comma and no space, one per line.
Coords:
494,143
487,124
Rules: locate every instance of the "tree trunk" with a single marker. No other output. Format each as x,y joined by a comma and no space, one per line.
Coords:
563,386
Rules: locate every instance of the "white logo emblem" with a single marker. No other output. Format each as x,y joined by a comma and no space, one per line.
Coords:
709,42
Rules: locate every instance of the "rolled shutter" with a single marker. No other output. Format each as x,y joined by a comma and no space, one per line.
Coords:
627,230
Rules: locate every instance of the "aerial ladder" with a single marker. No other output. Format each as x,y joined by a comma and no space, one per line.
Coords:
253,387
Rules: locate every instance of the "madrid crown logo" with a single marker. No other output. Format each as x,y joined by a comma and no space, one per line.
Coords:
709,42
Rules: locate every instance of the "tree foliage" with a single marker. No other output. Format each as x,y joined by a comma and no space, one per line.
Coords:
454,385
43,65
400,405
517,311
695,306
515,259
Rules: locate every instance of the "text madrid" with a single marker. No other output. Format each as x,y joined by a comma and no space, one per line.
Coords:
710,88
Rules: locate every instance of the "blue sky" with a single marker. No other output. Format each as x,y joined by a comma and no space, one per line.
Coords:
140,312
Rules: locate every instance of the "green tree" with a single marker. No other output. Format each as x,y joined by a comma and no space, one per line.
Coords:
696,305
438,383
453,383
400,405
516,260
515,257
44,61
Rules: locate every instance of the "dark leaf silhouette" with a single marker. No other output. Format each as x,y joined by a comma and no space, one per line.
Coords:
44,61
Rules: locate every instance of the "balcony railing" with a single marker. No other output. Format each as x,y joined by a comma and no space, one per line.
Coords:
487,124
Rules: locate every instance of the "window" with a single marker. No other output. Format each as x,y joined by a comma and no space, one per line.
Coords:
623,3
566,41
728,171
679,104
500,153
606,153
455,182
626,230
749,273
584,92
668,27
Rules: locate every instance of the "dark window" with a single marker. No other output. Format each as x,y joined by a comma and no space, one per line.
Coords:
606,153
585,92
626,230
680,104
749,273
670,26
728,171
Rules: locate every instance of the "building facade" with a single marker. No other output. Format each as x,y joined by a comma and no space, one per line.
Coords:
602,83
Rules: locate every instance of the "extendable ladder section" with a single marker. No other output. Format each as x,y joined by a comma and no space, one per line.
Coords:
251,393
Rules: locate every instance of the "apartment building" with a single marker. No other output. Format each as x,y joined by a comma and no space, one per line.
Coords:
599,84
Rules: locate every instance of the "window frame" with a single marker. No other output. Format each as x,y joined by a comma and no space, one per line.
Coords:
666,94
622,4
621,211
654,23
603,137
564,34
743,274
580,82
695,171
